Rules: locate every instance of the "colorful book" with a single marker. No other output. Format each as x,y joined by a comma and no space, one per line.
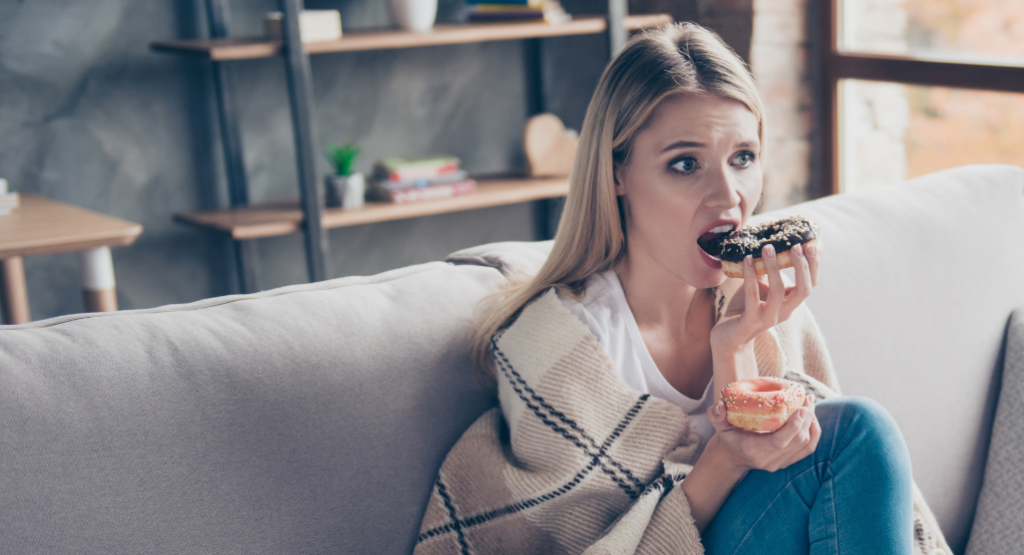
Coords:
420,194
459,175
514,8
506,2
398,169
549,11
551,18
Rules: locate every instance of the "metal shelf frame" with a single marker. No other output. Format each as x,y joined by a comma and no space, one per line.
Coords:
302,103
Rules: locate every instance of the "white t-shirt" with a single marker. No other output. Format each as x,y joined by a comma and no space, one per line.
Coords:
604,309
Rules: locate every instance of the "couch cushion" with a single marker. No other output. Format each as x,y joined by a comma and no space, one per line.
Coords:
999,522
917,283
309,419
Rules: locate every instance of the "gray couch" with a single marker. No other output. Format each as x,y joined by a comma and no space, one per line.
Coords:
312,419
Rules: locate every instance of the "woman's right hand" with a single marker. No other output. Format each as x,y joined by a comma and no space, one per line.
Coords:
761,305
747,450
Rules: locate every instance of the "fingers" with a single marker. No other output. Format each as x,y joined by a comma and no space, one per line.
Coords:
806,440
776,288
812,262
752,300
810,445
716,414
802,290
797,423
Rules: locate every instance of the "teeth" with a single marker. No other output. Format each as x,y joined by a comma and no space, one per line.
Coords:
726,228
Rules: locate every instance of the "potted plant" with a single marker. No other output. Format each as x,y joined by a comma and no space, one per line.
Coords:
416,16
345,188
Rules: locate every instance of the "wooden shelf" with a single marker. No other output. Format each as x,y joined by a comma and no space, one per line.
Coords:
259,47
271,220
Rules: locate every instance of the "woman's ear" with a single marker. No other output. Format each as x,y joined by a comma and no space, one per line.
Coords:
618,172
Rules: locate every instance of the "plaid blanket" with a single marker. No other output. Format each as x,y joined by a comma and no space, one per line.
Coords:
575,461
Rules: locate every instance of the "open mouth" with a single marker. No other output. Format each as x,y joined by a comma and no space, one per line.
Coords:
711,242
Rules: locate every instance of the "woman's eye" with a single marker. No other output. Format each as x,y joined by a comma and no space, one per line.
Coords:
684,165
743,159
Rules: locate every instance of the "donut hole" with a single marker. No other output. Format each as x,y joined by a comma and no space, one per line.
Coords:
763,386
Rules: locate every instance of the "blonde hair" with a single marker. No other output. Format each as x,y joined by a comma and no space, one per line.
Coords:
682,58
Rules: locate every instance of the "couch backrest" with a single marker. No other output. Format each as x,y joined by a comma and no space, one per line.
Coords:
309,419
314,418
917,285
915,310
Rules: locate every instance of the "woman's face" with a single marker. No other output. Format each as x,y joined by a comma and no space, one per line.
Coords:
693,168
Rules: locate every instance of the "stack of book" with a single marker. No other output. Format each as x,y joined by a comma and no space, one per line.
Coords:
8,200
402,181
546,11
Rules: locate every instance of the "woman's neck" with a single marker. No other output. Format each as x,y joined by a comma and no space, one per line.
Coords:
675,320
658,298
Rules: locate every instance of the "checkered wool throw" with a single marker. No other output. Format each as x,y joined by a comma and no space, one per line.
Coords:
575,461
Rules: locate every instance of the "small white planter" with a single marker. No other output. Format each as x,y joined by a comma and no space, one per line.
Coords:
415,15
346,192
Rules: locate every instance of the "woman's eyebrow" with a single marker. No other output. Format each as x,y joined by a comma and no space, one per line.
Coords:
683,144
693,144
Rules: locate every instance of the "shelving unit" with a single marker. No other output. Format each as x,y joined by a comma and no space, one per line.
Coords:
244,223
222,50
273,220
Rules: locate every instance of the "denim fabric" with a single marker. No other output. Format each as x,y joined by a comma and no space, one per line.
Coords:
853,495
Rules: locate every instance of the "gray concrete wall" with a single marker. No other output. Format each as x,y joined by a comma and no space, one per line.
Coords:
90,116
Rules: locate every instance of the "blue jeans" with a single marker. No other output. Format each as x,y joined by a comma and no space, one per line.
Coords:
853,495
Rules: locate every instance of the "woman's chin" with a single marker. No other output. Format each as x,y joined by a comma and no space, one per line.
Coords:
705,278
711,279
710,271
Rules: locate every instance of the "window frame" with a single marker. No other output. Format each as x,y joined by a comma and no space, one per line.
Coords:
834,65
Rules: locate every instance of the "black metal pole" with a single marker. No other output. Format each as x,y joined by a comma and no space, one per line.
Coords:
546,212
534,73
300,95
246,257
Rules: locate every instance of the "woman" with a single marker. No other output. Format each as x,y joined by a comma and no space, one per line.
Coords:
611,437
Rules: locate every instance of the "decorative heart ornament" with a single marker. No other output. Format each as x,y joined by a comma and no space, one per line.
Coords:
550,148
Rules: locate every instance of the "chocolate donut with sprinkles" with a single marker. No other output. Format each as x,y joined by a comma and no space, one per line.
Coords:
782,234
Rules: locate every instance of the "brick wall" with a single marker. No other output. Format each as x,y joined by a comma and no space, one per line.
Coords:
778,59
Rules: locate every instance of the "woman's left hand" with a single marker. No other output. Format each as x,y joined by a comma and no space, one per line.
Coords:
762,306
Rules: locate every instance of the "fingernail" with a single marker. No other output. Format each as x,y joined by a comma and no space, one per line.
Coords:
749,260
769,251
812,251
718,410
798,251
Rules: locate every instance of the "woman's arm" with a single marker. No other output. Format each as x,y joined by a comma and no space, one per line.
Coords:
733,366
710,483
714,476
732,452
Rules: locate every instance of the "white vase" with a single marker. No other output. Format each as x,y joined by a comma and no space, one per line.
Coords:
346,192
355,192
414,15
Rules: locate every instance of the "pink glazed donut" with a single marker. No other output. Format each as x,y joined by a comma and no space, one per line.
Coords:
761,404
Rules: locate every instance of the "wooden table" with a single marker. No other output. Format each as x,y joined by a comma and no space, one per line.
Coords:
43,226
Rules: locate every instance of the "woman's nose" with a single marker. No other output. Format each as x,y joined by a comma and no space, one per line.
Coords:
723,190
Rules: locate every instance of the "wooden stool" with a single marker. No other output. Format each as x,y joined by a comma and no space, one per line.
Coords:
43,226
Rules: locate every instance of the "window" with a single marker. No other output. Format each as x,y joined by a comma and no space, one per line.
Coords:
908,87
